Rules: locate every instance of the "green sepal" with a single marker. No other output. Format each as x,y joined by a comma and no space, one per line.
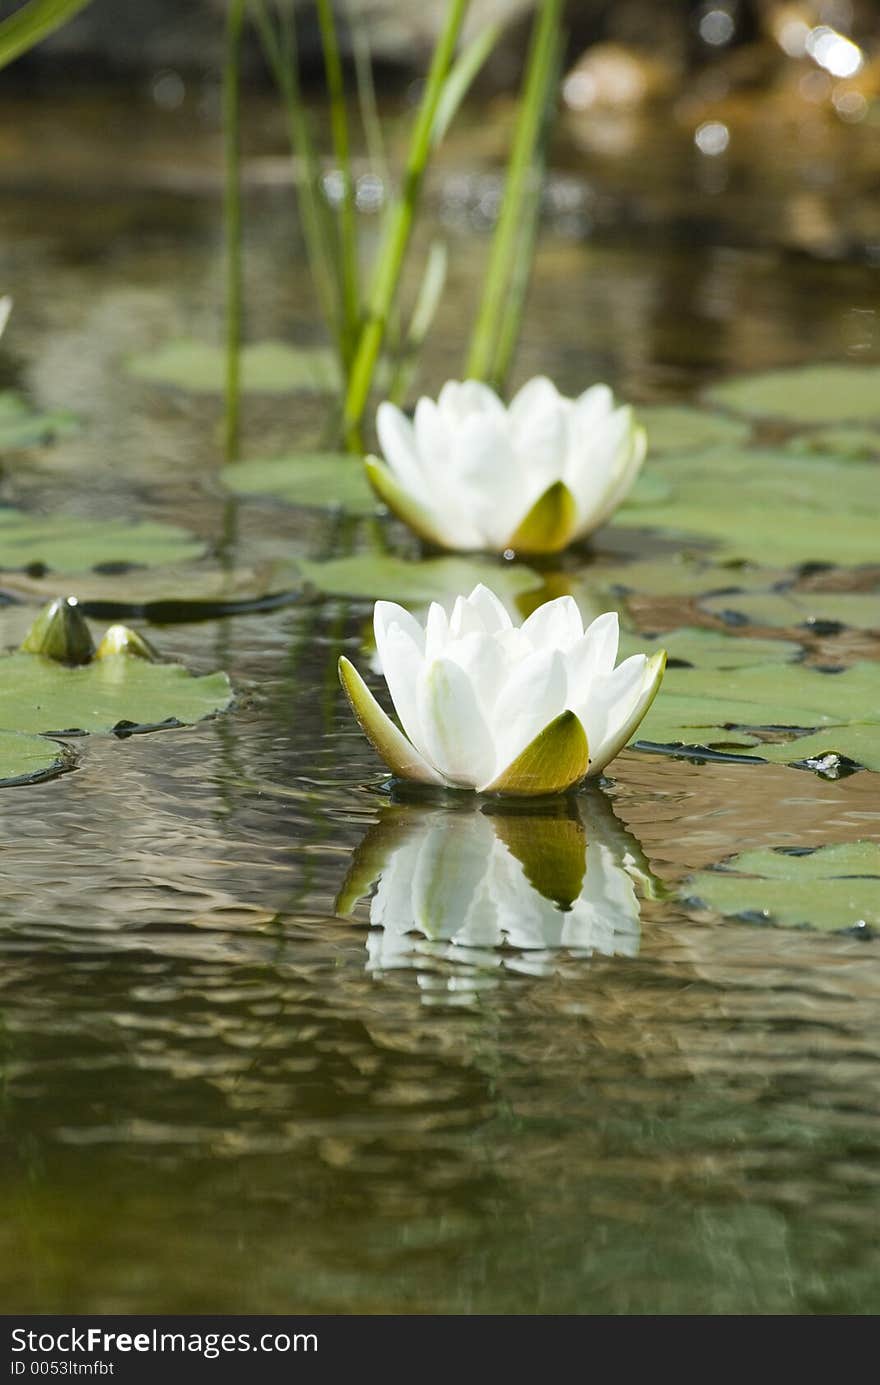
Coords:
119,639
400,503
555,760
549,524
60,632
399,754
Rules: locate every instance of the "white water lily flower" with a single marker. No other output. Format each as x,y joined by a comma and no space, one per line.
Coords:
499,708
469,473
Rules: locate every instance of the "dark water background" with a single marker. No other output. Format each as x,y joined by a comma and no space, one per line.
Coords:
212,1098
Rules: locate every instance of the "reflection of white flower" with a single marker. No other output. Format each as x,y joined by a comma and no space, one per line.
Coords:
470,473
458,885
5,310
499,708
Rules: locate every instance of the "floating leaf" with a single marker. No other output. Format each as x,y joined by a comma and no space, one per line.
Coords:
805,394
682,428
320,480
858,742
849,442
677,576
37,694
710,648
22,426
374,576
649,489
831,888
28,759
70,544
793,608
270,367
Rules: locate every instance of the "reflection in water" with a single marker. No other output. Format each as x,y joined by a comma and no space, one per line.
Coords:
461,881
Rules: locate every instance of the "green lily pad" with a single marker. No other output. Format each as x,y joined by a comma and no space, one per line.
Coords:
39,695
709,648
831,888
859,742
173,593
269,367
375,576
65,544
849,442
649,489
698,706
861,610
29,759
677,576
682,428
805,394
319,480
733,500
22,426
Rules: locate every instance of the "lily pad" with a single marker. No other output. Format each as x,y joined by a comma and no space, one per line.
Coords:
681,428
320,480
39,695
850,442
805,394
29,759
649,489
269,367
375,576
703,707
709,648
22,426
860,610
173,593
677,577
69,544
831,888
858,742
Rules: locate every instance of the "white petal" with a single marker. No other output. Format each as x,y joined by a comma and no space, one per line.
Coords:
482,658
488,477
610,704
541,445
597,464
388,613
402,663
493,612
433,435
436,632
629,466
629,711
398,443
532,697
457,738
592,657
538,393
555,625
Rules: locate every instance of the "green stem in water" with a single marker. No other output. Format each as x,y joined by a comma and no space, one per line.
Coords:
397,230
342,153
540,70
232,220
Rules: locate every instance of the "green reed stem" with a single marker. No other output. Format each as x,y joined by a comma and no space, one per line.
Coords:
33,22
342,153
232,219
316,226
540,70
398,228
366,89
513,311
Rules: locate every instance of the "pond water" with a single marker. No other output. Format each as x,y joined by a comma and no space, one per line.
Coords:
230,1082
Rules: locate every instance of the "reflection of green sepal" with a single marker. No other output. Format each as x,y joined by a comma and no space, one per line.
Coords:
549,524
119,639
399,754
60,632
555,760
550,849
400,503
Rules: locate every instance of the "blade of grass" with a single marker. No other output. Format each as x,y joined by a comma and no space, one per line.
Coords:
366,89
32,23
398,227
427,302
461,75
232,219
314,214
539,69
515,299
342,153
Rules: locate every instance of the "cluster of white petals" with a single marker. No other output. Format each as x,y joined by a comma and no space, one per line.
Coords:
475,693
467,472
